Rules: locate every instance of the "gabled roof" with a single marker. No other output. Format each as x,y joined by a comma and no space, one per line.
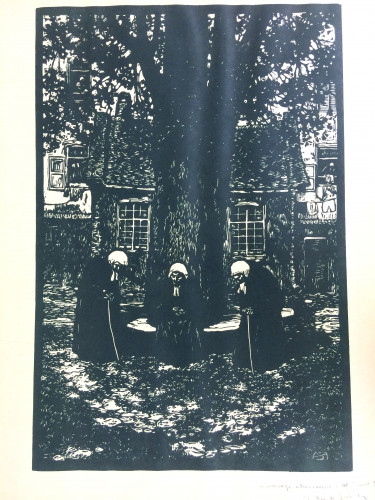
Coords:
268,157
120,154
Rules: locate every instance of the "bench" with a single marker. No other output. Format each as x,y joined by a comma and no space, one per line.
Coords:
229,323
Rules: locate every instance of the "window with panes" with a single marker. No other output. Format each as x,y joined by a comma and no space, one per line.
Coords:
247,229
133,224
57,173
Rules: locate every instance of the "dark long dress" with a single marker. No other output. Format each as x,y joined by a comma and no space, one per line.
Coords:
177,322
264,296
97,318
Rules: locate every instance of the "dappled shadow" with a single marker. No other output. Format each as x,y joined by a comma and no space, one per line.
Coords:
140,413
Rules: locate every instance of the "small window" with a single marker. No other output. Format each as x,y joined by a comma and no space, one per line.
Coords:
57,174
79,80
247,229
310,172
133,228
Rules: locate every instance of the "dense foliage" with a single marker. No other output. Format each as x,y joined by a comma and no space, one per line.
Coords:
194,100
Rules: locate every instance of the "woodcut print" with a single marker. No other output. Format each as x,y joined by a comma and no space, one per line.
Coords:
191,285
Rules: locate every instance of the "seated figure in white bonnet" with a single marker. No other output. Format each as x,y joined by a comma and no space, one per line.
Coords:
118,260
176,306
260,298
97,317
177,274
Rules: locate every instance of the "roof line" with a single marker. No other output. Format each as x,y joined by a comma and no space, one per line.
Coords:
129,188
260,191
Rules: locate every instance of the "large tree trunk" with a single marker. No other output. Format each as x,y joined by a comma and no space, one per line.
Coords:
215,158
192,152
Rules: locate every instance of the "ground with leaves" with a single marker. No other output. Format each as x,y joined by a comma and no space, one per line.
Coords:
141,414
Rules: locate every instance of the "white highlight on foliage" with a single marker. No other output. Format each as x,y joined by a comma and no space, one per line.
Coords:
193,449
132,19
294,431
327,320
108,422
287,312
241,26
110,405
242,123
211,21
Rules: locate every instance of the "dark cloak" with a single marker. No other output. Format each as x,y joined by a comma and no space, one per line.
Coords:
97,318
264,296
178,322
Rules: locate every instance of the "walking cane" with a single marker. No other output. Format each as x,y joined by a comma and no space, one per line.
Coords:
110,327
248,336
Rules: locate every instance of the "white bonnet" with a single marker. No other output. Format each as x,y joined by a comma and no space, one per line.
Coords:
240,267
119,257
178,267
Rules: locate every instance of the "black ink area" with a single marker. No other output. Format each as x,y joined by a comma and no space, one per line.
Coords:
191,140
